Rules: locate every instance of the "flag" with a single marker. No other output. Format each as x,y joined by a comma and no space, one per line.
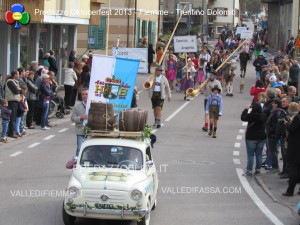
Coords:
112,81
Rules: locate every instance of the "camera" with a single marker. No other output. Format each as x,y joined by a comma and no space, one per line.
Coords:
285,119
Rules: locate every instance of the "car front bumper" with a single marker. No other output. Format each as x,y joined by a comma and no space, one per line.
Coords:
113,214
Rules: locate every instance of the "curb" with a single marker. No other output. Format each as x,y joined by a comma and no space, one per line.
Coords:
262,184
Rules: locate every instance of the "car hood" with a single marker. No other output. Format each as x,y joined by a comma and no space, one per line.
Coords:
114,179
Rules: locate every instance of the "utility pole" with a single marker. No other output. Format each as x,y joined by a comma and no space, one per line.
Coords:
204,24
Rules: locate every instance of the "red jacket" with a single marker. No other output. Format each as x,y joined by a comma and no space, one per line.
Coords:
196,63
254,91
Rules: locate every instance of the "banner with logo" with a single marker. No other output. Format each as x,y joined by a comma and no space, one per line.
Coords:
140,54
112,81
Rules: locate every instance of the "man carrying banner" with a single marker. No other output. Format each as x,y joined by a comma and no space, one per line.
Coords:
157,93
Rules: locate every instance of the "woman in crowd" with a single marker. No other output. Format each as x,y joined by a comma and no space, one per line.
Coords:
255,136
284,72
256,89
188,74
31,99
69,82
171,71
85,76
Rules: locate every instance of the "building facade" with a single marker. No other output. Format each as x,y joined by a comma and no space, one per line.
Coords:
222,13
283,18
214,15
128,20
53,25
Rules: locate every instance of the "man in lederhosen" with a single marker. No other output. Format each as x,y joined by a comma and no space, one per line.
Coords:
158,92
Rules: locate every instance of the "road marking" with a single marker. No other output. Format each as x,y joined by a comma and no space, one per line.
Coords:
177,111
73,124
49,137
236,153
242,131
156,129
256,199
244,124
1,162
237,145
34,145
236,161
63,130
239,137
16,154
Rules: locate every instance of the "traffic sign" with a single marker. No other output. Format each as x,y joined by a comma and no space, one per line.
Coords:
297,43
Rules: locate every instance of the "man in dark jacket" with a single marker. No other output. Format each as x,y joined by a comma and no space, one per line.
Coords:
272,132
151,52
294,74
278,57
293,153
1,88
244,58
258,63
52,62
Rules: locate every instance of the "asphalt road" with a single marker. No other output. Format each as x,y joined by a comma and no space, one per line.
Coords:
200,177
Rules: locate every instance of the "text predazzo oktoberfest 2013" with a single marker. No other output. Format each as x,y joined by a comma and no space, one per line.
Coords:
129,12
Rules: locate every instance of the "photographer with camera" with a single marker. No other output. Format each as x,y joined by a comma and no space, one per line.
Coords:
293,153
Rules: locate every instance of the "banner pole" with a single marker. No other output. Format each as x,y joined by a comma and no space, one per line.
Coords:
107,30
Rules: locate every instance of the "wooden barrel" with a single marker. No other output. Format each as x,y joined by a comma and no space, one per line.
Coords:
101,116
133,120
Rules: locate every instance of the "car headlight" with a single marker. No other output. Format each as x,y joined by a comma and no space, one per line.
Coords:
136,195
73,192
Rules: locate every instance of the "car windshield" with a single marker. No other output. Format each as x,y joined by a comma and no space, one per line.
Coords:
111,157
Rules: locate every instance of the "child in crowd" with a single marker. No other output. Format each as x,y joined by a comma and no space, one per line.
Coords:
22,108
214,109
5,115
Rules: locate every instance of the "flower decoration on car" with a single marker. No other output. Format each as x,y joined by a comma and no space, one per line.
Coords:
17,16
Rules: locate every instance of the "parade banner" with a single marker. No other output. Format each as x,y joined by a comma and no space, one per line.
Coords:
239,30
185,44
112,81
246,34
140,54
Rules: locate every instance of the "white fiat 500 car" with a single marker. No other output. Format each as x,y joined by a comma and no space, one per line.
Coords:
114,179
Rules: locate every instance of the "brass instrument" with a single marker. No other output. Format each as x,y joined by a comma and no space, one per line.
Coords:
148,84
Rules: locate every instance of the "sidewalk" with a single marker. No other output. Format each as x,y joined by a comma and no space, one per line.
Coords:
274,187
54,121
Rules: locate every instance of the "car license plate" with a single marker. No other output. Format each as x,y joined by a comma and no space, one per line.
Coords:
105,206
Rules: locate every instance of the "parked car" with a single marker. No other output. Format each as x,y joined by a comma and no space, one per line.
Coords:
115,179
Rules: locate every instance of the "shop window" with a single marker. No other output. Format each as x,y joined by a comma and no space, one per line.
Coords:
24,43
